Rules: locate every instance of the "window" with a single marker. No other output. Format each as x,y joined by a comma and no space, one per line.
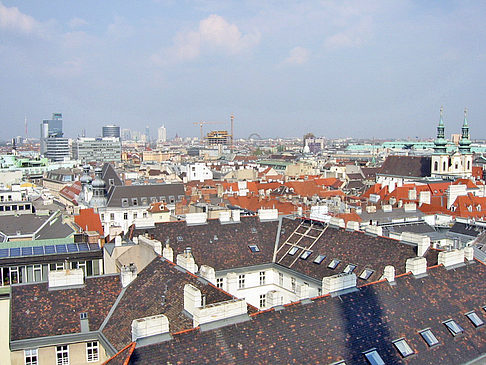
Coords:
403,347
31,357
253,248
334,263
262,277
219,283
179,238
92,351
135,215
365,275
124,202
374,357
280,279
134,201
112,216
349,269
83,315
475,319
292,284
125,216
253,230
436,166
293,250
429,337
319,259
305,255
102,217
241,281
62,355
453,327
263,300
144,214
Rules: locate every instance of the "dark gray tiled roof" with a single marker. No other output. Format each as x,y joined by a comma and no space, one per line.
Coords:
407,166
117,193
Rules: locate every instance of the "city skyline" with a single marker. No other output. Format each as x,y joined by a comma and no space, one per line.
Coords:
360,69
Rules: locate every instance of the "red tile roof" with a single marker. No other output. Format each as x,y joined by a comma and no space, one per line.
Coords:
88,220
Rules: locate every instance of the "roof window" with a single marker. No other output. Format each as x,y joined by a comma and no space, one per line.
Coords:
454,327
253,248
179,238
374,357
83,315
475,319
293,250
365,275
305,255
319,259
429,337
253,230
334,263
403,347
349,269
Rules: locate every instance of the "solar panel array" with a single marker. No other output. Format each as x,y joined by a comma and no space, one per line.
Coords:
48,249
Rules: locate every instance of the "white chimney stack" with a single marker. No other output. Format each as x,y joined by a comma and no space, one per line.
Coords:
128,274
338,282
416,265
168,253
65,278
389,273
451,258
186,260
149,326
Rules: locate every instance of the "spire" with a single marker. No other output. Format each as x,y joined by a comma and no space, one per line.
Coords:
440,143
465,142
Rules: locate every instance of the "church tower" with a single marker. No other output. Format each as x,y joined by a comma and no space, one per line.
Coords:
465,147
440,158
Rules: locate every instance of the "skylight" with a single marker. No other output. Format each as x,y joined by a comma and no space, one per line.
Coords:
453,327
179,238
253,248
334,263
475,319
319,259
429,337
365,275
253,230
374,358
349,268
403,347
305,255
293,250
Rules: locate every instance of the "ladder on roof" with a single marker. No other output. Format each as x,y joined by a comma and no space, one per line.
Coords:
312,226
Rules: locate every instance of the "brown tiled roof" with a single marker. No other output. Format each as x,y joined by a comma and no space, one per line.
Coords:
355,248
338,328
39,312
222,246
413,166
158,289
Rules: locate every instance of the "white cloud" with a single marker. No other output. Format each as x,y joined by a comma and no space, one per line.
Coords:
77,22
354,35
13,19
297,56
214,34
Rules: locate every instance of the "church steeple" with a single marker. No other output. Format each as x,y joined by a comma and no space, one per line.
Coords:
465,142
440,143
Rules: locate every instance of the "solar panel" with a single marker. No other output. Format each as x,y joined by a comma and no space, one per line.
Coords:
61,249
3,252
15,251
38,250
83,247
72,247
94,246
49,249
27,251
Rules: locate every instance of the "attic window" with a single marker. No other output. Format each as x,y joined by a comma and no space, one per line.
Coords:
475,319
305,255
215,237
334,263
429,337
253,248
253,230
403,347
349,269
83,315
374,357
179,238
365,275
319,259
134,201
453,327
293,251
124,202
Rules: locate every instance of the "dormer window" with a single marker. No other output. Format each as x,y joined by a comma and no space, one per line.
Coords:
429,337
349,269
374,357
475,319
454,327
179,238
403,347
134,202
124,202
334,263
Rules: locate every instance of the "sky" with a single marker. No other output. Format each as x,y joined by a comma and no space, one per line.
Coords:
358,68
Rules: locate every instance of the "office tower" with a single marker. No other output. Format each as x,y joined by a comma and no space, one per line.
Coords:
111,130
162,134
106,149
52,143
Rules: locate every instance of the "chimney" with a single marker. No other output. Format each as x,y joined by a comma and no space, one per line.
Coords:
66,278
186,260
128,274
83,322
235,215
352,226
118,241
208,273
168,252
451,258
192,298
469,253
389,274
149,326
338,282
416,265
232,282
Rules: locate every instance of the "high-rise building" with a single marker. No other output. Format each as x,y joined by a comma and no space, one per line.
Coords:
162,134
52,143
107,149
111,130
126,134
147,134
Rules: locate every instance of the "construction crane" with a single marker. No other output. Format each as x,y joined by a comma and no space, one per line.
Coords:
200,124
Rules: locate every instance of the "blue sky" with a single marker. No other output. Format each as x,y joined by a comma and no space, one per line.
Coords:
375,68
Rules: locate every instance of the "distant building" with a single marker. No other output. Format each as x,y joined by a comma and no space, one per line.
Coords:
52,143
111,131
126,134
162,134
218,138
57,149
107,149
